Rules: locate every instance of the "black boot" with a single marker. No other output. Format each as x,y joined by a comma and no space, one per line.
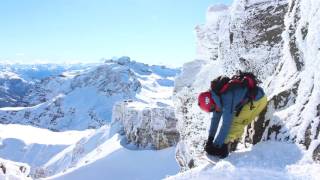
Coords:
224,151
232,146
219,151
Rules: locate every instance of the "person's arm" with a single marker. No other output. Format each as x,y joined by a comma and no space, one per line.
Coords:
227,115
214,123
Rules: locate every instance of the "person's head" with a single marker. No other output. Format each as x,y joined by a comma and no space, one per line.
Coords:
206,102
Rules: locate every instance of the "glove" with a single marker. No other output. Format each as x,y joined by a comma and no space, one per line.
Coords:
208,144
214,150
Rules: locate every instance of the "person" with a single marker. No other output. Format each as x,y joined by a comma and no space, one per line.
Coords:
236,110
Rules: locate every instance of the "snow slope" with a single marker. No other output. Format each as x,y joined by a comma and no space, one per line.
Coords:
34,146
120,162
80,154
264,161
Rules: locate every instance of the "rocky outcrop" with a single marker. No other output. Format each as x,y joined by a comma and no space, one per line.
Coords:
14,170
278,41
246,36
146,127
294,91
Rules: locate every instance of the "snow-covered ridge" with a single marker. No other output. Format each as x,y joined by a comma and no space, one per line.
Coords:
16,80
84,98
32,72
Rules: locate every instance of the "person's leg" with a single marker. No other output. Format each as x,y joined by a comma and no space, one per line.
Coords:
259,106
237,126
245,117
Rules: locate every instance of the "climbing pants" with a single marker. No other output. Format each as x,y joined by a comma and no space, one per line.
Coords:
245,117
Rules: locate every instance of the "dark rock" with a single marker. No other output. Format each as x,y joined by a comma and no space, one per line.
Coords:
316,154
294,50
255,132
281,100
307,137
304,31
191,164
3,168
274,129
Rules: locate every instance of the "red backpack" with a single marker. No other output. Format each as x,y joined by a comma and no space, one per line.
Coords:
223,84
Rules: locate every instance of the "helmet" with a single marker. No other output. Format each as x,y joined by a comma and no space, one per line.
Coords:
205,101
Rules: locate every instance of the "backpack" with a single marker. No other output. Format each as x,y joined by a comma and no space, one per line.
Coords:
222,84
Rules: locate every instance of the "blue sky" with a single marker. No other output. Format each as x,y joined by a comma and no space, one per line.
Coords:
150,31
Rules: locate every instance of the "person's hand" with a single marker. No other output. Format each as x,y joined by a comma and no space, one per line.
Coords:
214,150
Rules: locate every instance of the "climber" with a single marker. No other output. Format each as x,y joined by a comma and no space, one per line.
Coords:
238,101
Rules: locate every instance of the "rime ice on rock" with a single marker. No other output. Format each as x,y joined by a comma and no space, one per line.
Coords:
278,41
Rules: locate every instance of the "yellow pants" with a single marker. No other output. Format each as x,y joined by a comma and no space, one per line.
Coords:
245,117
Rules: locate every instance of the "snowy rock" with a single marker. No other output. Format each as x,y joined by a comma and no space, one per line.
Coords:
124,60
278,41
153,127
14,170
295,83
245,36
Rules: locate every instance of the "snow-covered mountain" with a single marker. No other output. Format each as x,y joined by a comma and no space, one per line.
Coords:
12,89
78,105
277,40
17,79
34,72
82,99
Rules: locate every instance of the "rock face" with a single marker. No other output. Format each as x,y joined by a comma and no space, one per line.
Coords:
293,111
278,41
146,127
